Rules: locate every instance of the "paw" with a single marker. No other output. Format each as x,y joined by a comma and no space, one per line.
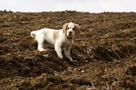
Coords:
70,59
60,56
41,49
75,61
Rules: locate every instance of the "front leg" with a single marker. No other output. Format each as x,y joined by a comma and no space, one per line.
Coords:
58,50
67,53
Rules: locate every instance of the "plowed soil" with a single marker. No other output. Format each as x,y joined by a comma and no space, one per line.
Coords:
105,52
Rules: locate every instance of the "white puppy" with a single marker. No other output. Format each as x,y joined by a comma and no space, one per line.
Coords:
59,38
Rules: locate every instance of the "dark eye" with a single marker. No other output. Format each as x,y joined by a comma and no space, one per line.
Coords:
74,28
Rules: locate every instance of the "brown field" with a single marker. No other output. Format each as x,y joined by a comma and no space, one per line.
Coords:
105,51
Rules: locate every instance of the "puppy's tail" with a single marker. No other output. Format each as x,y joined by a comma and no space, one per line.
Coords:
33,34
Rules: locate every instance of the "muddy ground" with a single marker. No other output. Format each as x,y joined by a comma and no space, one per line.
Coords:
105,51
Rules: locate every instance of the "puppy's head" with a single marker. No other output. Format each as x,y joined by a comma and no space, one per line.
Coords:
71,30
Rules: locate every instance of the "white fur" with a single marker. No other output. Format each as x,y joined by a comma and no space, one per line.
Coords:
63,40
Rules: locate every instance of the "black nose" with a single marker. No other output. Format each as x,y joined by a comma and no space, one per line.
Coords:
70,32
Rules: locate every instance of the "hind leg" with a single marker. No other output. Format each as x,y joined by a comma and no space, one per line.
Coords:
40,44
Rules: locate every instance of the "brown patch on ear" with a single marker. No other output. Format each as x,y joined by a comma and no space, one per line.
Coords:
65,26
77,30
55,35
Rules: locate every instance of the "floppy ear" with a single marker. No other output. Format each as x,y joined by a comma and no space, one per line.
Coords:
65,28
77,30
